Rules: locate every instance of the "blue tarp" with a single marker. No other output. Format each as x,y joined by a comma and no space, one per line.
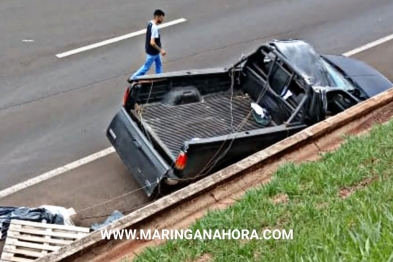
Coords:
7,213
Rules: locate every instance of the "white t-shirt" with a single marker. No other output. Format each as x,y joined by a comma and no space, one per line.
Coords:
154,30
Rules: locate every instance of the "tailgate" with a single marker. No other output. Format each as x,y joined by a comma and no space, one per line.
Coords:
136,152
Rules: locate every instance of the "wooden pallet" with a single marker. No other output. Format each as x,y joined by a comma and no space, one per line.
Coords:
27,241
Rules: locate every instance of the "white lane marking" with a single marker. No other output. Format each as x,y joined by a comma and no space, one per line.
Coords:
117,39
369,45
105,152
56,172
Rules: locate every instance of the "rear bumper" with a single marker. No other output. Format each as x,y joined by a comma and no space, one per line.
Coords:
136,152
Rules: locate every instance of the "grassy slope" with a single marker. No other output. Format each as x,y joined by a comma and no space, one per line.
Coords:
326,225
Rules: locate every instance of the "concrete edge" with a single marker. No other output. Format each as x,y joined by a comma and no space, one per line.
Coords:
137,217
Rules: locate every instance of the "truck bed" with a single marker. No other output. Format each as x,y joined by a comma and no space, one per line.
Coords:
212,117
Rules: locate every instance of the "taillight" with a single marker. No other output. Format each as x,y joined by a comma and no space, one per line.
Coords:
125,97
181,161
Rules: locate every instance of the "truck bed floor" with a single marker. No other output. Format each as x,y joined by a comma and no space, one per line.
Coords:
212,117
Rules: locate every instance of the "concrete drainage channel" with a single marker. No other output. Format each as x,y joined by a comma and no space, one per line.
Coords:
182,208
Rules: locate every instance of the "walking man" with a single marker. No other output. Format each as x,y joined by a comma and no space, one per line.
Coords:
152,46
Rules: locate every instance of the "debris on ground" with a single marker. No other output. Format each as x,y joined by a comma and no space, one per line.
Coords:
113,217
66,214
27,241
44,214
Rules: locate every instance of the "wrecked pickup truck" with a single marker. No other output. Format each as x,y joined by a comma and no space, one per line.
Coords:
174,128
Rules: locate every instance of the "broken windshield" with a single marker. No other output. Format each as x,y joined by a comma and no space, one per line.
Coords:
338,79
313,68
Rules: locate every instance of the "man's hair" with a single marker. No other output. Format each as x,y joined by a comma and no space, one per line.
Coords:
159,12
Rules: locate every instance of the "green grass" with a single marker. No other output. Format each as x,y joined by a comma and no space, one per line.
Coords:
326,227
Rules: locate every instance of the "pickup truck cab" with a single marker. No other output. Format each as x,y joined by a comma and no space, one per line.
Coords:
174,128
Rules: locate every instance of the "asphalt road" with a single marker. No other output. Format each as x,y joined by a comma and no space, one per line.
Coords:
54,111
